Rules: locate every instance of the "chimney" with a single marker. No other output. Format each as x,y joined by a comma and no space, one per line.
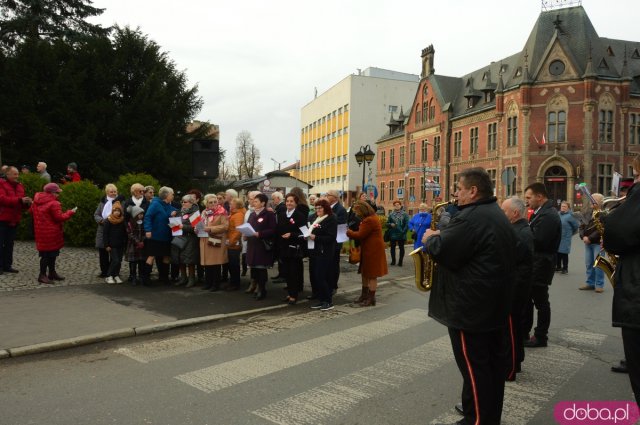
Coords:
427,61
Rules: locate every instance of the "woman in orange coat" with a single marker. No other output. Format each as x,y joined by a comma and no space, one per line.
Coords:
234,243
373,261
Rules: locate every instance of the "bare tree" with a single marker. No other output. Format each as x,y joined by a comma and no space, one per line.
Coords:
247,162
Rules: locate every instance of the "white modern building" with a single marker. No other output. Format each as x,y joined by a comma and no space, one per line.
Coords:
351,114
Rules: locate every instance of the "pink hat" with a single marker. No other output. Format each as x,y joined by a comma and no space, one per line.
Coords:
52,188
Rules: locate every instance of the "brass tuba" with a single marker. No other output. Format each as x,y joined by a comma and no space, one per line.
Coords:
424,265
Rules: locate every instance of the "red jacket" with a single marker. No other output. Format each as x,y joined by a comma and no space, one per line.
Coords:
47,221
11,205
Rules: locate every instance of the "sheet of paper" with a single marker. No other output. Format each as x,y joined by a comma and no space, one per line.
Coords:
199,229
175,223
310,244
305,231
342,233
246,229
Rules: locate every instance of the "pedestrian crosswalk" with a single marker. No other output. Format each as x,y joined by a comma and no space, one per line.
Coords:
546,370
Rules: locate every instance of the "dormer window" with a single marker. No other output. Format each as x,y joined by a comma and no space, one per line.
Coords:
519,72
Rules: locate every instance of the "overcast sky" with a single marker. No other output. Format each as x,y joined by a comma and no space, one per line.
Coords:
256,62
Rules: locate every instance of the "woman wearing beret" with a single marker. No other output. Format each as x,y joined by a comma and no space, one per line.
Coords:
48,219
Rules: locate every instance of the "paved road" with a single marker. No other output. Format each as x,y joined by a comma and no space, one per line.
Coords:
389,364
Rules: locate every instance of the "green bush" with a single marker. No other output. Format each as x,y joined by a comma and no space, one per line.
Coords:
32,183
125,181
81,229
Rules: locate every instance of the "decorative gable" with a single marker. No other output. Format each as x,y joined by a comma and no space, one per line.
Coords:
557,65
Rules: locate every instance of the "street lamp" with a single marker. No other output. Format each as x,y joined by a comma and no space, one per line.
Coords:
365,154
278,162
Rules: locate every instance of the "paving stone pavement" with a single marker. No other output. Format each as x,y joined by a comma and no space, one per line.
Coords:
79,266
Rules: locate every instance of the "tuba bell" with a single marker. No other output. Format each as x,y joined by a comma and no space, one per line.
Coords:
423,263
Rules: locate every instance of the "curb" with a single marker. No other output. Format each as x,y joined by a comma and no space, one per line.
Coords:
79,341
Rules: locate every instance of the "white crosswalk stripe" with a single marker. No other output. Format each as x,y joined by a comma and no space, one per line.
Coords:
170,347
237,371
336,398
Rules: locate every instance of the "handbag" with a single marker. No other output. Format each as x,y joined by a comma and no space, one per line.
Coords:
387,235
354,255
214,242
268,244
179,242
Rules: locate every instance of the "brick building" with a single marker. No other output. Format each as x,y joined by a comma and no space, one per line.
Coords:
563,110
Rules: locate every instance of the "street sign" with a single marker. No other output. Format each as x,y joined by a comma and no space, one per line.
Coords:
412,198
507,176
432,187
401,193
426,170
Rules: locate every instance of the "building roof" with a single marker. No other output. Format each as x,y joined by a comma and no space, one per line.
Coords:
572,30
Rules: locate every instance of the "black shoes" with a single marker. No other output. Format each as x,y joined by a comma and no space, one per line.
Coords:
535,342
10,270
620,367
459,409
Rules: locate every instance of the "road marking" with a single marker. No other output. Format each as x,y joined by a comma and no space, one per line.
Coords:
237,371
337,398
545,371
156,350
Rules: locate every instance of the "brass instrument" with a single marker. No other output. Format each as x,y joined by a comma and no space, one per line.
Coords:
607,265
424,265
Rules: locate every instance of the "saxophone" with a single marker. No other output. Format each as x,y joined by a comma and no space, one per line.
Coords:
607,265
424,265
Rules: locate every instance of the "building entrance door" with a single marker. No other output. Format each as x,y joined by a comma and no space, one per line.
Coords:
555,180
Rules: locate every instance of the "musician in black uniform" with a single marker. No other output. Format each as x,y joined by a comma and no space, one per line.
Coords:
547,232
622,238
472,290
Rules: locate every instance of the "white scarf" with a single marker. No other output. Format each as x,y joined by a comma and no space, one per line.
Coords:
137,201
290,213
108,206
317,221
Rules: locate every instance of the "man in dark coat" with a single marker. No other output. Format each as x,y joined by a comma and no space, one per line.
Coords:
12,202
516,211
622,238
341,217
277,204
471,294
547,232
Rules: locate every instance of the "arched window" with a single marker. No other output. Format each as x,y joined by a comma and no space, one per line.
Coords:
606,109
557,119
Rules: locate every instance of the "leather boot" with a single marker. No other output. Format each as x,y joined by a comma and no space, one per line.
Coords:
252,288
370,300
191,282
363,295
44,279
261,294
55,276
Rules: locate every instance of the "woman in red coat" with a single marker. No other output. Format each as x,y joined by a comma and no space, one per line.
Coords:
373,261
47,222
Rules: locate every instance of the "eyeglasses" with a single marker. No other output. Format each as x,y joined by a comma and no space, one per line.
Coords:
186,202
319,208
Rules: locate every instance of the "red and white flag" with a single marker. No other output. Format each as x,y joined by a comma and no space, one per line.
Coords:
195,218
542,142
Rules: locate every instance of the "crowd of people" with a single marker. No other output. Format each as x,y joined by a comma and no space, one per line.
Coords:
205,244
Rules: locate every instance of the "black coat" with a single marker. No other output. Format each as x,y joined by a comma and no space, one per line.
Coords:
115,235
129,203
622,237
524,253
287,247
474,277
547,232
325,241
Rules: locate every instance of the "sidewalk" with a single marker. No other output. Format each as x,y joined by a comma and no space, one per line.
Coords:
83,309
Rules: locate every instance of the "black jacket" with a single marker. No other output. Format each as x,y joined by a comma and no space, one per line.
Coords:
475,256
622,237
115,235
547,232
286,247
524,253
325,241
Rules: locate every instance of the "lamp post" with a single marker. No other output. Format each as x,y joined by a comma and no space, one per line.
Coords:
365,154
278,162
